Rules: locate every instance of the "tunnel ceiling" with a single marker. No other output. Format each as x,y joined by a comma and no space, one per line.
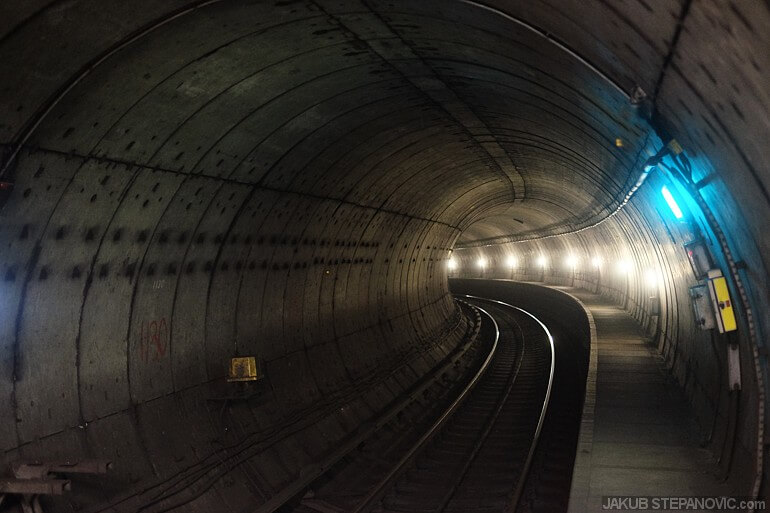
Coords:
447,112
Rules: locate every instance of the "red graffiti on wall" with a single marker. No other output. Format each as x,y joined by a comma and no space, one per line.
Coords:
153,340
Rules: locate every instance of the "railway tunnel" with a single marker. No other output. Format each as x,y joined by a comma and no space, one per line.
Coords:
188,182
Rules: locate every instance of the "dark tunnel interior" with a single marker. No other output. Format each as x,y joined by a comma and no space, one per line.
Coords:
187,181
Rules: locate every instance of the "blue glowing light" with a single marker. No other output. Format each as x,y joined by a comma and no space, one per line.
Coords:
671,202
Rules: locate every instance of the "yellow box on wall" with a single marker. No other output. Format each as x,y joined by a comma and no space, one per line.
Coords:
244,368
723,306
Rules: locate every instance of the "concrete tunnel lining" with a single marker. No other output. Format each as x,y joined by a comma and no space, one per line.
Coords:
288,179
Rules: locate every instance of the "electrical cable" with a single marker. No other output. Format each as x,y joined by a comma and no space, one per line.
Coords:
720,368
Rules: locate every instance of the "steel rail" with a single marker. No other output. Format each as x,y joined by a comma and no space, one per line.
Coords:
485,433
381,487
318,469
525,471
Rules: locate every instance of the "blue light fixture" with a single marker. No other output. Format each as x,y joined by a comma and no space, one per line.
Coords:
671,202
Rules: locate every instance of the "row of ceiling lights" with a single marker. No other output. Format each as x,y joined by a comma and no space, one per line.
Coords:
624,266
570,262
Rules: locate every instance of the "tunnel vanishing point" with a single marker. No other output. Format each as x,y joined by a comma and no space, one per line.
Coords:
187,182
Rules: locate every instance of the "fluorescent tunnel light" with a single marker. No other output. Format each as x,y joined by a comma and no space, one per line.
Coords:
671,202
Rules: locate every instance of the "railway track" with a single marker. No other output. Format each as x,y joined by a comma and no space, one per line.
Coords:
476,454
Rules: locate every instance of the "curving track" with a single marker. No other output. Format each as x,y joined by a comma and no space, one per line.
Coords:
480,459
475,456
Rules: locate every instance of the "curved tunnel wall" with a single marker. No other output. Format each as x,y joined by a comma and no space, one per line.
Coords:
638,261
196,180
711,99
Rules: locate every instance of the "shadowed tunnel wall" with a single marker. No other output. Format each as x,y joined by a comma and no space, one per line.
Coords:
183,182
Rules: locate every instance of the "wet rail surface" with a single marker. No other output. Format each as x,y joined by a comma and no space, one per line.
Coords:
475,455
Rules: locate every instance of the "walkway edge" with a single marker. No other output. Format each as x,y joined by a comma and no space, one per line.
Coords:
581,470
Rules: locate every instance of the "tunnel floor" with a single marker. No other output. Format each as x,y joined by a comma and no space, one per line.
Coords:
642,440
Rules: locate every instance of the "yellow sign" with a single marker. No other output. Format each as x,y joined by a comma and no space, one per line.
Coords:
244,368
722,304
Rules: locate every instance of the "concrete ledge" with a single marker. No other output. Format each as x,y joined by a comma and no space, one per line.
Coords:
581,470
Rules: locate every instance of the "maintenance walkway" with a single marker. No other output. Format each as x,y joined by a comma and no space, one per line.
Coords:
639,439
